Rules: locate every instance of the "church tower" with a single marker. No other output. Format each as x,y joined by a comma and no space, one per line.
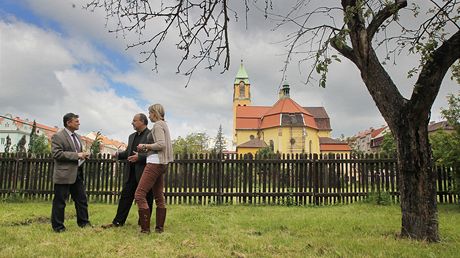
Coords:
241,94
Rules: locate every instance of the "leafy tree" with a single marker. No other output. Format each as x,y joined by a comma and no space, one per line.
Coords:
446,146
96,145
265,152
452,113
388,146
194,143
33,134
353,28
39,145
220,142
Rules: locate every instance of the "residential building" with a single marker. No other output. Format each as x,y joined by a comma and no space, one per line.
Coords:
16,128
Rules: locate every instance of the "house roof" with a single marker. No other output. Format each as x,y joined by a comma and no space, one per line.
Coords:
334,147
377,131
321,118
317,112
439,125
285,112
286,106
251,111
329,144
247,123
254,143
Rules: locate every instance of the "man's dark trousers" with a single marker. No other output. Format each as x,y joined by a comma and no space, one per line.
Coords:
78,194
126,200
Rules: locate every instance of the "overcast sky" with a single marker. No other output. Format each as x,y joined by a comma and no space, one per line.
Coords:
56,58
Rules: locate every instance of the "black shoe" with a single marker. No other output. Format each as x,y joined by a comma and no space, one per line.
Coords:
111,225
59,230
87,225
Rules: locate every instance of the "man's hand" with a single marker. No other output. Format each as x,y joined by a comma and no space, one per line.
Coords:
83,155
133,158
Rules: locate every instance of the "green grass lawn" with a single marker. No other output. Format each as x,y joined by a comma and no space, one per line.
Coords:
356,230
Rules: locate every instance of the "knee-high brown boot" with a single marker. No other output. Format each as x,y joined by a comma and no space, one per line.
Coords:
160,220
144,217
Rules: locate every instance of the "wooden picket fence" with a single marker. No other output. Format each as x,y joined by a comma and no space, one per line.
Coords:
228,179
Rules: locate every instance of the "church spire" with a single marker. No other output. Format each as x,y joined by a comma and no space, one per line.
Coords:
242,75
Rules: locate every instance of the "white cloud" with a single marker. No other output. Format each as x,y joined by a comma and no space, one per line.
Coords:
39,81
45,73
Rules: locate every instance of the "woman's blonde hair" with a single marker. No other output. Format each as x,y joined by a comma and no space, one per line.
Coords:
158,110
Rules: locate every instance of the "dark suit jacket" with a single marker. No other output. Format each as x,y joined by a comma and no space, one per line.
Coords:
140,164
65,158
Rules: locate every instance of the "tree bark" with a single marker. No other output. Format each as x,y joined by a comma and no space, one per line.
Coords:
407,119
417,181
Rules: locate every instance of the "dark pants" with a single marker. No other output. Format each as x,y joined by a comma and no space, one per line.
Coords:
78,194
151,180
126,200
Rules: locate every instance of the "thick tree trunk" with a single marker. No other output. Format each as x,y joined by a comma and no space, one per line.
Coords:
417,182
407,118
409,124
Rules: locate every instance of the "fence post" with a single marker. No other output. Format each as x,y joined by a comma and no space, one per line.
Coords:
17,160
220,163
315,179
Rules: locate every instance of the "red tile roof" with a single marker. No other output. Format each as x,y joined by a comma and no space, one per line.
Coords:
286,105
272,120
377,132
247,123
267,117
329,144
251,111
334,147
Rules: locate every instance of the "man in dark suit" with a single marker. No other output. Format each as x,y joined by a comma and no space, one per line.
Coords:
133,171
66,147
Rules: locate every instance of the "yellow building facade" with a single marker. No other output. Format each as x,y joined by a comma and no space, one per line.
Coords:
285,127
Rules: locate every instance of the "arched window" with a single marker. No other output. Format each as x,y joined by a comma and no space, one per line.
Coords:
242,90
272,145
309,146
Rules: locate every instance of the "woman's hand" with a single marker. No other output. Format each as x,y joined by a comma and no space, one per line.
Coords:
142,147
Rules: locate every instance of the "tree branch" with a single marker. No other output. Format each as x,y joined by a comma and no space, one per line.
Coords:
427,86
344,49
382,15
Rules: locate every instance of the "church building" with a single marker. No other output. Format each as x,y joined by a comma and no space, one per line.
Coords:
285,127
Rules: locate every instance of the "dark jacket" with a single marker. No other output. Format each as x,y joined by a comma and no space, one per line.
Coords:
140,164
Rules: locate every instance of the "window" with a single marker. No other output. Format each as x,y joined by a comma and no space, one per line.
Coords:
309,146
251,137
272,145
242,90
3,140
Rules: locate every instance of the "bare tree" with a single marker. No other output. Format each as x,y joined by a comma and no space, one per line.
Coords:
356,29
202,28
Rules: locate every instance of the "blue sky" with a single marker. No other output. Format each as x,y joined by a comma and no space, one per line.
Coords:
58,58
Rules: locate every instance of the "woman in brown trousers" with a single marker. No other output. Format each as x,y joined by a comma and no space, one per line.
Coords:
159,154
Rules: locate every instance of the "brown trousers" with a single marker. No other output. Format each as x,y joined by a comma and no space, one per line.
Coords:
152,178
